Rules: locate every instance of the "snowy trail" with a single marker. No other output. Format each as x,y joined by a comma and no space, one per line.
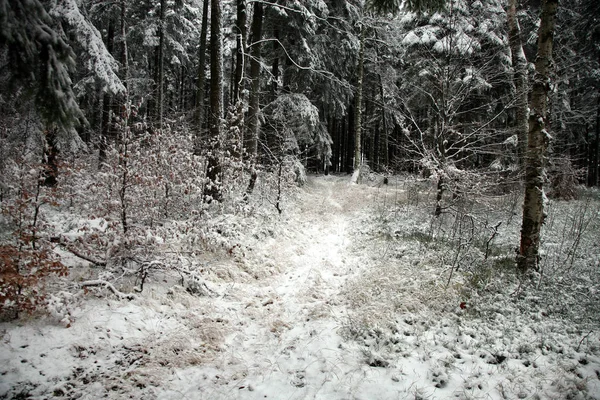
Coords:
287,343
338,299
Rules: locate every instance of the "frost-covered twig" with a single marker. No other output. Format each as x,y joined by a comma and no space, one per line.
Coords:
582,339
110,286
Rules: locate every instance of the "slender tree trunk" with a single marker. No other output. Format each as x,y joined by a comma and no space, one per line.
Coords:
236,110
200,88
251,134
212,191
251,139
124,49
384,136
275,66
519,63
358,107
161,64
106,104
51,158
533,205
241,49
594,158
349,134
201,74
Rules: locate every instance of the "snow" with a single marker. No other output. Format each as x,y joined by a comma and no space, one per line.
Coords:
101,62
345,296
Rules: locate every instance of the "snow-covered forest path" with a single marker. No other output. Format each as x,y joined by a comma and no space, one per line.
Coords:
286,341
343,297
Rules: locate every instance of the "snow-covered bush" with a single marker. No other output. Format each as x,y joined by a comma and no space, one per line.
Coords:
26,254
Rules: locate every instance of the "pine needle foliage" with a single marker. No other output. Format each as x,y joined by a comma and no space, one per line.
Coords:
394,6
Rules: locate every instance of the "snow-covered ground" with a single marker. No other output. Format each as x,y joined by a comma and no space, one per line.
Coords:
347,295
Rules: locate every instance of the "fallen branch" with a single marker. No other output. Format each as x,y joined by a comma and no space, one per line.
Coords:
110,286
99,263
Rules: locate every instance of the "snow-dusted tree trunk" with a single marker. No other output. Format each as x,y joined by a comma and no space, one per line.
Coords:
519,62
533,205
251,139
594,159
124,49
384,137
240,50
251,134
200,92
161,64
358,107
212,191
106,104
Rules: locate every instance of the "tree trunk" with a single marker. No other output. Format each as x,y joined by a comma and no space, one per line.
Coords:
124,49
519,63
212,191
106,104
201,78
275,67
251,134
358,107
241,49
533,205
594,160
251,138
384,136
161,64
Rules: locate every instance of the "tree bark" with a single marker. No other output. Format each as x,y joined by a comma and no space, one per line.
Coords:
519,63
594,158
200,92
124,49
275,67
358,107
533,205
161,64
251,134
251,139
384,136
106,104
240,51
212,190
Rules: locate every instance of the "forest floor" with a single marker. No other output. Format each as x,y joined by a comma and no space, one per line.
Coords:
354,292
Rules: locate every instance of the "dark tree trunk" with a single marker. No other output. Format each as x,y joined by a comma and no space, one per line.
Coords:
594,154
51,159
275,66
161,64
240,50
350,134
200,88
106,104
212,191
358,106
519,63
251,138
384,136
